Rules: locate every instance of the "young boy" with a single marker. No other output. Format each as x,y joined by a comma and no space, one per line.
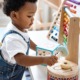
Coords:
16,42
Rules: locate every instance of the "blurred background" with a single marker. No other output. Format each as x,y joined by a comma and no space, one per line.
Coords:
46,11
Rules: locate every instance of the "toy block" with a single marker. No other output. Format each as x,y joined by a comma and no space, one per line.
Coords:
46,49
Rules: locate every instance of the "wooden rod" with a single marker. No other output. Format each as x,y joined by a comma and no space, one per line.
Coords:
73,40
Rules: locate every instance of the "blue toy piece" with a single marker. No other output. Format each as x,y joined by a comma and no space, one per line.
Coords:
61,50
45,50
58,50
54,33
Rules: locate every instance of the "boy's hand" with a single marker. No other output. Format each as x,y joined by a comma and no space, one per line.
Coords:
50,60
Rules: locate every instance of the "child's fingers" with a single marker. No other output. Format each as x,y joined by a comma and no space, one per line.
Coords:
53,60
55,57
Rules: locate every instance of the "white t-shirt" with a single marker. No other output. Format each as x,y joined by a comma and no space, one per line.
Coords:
14,44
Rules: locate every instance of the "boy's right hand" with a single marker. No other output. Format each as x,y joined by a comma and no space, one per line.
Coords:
50,60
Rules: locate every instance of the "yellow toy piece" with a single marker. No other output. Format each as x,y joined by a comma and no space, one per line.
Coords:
65,65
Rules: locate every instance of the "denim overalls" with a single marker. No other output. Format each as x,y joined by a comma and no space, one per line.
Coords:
11,71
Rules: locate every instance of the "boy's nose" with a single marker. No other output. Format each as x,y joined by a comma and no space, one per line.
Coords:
32,19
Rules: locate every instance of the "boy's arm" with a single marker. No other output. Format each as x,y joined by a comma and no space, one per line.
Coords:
32,45
25,60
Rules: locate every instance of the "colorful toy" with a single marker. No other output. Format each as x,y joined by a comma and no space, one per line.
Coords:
48,50
74,6
75,1
69,36
54,33
56,72
73,10
55,25
69,14
67,32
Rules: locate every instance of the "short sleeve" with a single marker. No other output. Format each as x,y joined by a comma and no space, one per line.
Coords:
14,45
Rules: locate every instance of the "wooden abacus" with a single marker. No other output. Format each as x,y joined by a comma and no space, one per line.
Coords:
69,34
71,39
68,31
55,21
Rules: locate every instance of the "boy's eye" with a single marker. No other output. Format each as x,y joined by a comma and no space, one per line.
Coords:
29,16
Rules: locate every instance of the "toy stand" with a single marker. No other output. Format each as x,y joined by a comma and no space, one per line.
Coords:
73,40
60,40
72,36
68,35
68,30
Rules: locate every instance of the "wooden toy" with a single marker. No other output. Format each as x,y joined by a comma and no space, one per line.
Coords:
74,6
60,71
46,49
75,1
51,49
69,22
55,23
54,34
67,33
73,9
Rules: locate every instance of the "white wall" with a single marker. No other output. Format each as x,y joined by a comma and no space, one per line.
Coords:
3,18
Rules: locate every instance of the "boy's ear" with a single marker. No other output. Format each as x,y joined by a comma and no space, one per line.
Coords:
14,15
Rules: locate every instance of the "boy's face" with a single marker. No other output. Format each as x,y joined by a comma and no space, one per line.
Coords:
25,16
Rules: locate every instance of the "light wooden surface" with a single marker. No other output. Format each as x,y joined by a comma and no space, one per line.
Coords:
55,21
60,40
73,40
73,36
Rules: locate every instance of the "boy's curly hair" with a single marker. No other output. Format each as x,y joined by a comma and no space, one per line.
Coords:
14,5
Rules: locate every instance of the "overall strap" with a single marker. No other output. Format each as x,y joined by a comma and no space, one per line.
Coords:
15,32
11,32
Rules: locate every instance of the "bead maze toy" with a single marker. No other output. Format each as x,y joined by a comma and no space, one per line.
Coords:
51,49
67,32
68,70
73,7
56,72
68,13
54,29
68,35
48,49
75,1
